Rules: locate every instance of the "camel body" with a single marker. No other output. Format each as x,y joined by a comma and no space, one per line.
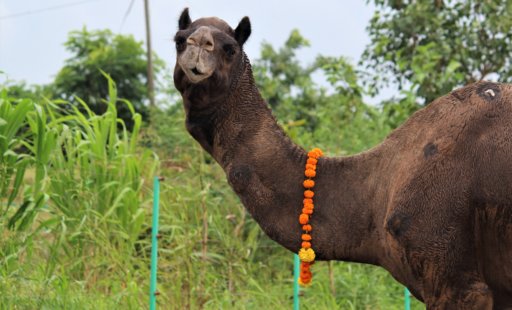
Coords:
432,204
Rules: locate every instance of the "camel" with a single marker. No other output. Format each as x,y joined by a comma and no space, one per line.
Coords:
432,203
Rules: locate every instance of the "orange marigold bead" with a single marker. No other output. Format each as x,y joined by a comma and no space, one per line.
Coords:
312,167
307,200
306,237
309,206
304,282
309,183
307,227
315,153
310,173
306,279
309,194
303,219
312,161
312,154
306,244
318,151
305,273
307,211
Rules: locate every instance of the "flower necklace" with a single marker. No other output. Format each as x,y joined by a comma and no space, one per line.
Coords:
306,253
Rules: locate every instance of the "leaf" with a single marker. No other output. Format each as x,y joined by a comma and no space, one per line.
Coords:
19,213
19,178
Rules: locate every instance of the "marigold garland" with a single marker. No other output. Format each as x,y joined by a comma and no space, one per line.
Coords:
306,253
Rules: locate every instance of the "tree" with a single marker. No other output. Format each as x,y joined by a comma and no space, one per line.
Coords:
120,56
330,114
434,46
285,83
20,89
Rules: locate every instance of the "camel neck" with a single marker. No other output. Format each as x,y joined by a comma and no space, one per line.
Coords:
262,164
266,170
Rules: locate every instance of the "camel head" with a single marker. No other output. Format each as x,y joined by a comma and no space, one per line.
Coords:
208,51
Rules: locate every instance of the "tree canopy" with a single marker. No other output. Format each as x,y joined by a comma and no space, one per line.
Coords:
435,46
120,56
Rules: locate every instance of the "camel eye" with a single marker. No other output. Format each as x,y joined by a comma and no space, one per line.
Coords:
229,49
180,43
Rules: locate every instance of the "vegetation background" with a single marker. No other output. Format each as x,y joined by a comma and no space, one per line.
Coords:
77,159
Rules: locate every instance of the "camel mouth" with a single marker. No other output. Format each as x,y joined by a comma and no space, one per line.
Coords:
195,75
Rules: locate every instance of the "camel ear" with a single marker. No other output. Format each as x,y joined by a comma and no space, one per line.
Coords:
185,20
243,30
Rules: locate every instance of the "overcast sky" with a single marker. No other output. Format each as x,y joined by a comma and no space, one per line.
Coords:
32,32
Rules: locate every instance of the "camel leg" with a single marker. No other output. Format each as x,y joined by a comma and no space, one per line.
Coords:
448,273
436,231
475,296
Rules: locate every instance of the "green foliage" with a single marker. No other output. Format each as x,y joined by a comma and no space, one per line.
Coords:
285,84
22,90
121,56
438,45
13,163
314,114
83,197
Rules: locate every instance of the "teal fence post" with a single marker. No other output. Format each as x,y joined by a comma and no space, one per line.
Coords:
407,299
154,244
296,270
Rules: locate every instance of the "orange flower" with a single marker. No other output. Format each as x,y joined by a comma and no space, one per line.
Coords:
306,237
303,219
315,153
305,282
309,183
309,205
305,274
312,154
304,267
307,211
310,173
318,151
312,167
309,194
306,279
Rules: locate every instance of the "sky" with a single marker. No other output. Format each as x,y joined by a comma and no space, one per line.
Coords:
32,32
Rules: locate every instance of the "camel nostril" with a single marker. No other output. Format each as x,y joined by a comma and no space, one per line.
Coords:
195,71
208,45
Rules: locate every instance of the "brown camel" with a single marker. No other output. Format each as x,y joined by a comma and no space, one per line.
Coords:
432,204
